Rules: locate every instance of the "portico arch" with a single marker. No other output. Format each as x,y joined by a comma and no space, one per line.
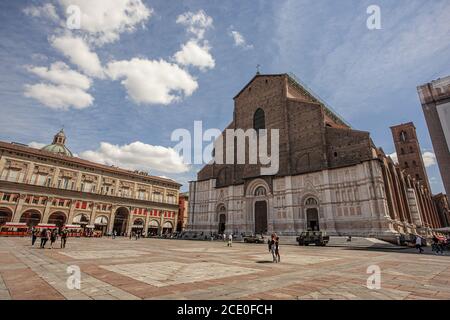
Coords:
121,220
167,227
31,217
5,215
101,223
58,218
138,225
153,228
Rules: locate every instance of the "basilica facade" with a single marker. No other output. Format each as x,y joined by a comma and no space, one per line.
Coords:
331,177
51,186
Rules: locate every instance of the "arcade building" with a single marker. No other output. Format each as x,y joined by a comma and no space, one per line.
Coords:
51,186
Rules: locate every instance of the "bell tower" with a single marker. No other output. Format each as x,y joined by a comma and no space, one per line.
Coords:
408,152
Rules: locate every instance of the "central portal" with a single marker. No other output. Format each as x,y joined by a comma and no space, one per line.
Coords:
312,219
260,217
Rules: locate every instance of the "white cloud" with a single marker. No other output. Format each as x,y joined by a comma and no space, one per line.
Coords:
152,81
60,73
394,157
193,54
429,159
239,40
196,23
137,156
105,20
47,10
59,96
78,52
36,145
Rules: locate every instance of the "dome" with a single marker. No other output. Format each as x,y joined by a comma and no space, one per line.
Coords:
58,145
58,148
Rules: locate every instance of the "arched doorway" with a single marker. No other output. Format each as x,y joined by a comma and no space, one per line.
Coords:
167,227
312,219
121,221
100,224
312,214
222,219
57,218
138,226
260,217
153,227
5,215
31,218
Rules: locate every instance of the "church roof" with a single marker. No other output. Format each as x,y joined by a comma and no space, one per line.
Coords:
293,80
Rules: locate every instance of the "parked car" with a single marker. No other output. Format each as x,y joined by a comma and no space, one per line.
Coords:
319,238
253,239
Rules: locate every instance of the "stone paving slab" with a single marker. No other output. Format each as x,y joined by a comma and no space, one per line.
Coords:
175,269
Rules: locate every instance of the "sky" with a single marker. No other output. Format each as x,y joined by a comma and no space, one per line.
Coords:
127,73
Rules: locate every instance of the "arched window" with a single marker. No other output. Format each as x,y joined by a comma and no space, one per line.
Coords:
406,165
260,191
403,136
259,120
402,151
414,163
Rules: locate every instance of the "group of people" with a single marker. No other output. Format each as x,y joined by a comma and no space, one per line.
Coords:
274,247
437,245
48,234
228,238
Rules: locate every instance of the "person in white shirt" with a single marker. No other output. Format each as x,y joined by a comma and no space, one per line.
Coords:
230,240
419,244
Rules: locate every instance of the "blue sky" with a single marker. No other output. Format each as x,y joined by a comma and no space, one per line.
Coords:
368,76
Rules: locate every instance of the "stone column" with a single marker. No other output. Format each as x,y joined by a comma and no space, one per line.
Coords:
130,220
46,214
161,221
18,210
147,219
92,217
111,219
71,212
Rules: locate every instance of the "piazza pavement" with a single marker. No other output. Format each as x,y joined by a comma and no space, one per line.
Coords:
181,269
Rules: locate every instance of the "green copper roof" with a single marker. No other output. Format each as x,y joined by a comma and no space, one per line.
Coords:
58,148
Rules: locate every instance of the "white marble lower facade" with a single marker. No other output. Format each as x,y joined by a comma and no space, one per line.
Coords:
343,201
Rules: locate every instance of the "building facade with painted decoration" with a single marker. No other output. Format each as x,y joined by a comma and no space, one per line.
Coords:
51,186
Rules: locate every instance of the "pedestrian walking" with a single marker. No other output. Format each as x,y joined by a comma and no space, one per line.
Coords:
230,240
114,234
419,244
63,238
44,238
437,247
53,237
34,235
272,249
277,249
224,237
